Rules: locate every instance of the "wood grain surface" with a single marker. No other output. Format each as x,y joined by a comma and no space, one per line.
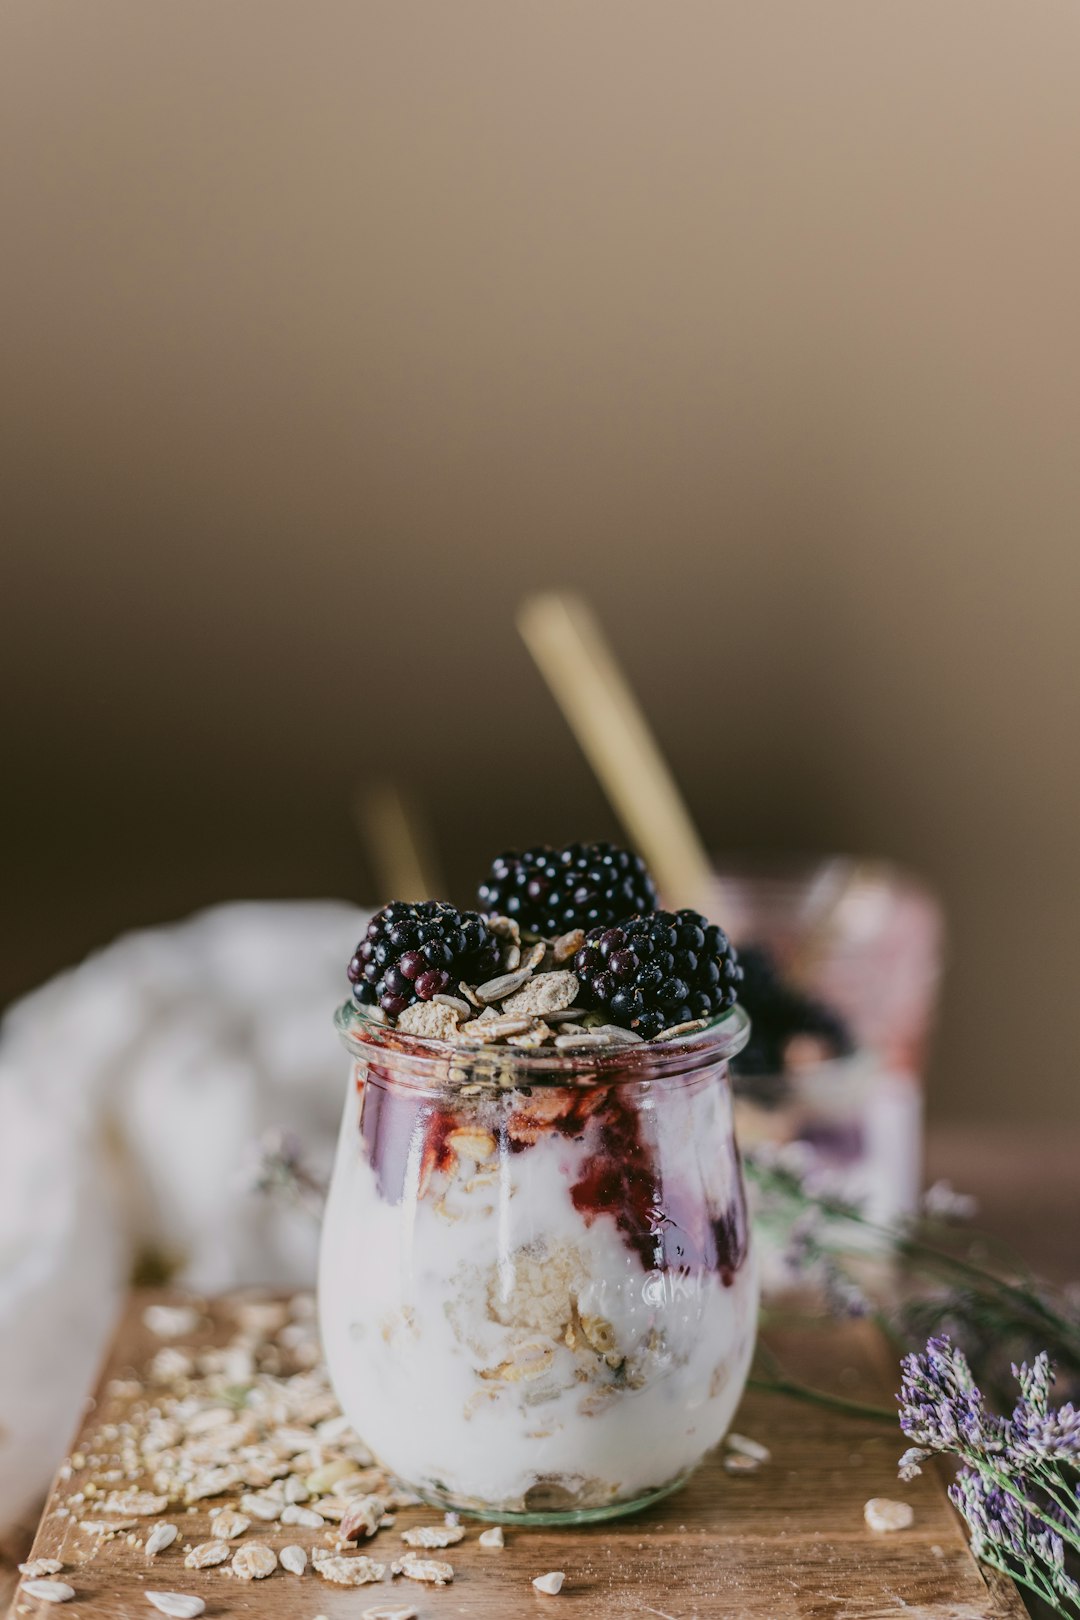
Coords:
787,1542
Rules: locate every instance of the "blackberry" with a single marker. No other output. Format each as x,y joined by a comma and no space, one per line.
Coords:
778,1011
414,952
649,972
550,891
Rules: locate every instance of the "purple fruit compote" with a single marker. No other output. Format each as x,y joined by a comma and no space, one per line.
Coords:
537,1290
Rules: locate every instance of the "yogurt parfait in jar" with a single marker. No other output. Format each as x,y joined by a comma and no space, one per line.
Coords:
537,1291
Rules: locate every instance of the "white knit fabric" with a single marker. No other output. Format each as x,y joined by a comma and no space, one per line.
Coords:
132,1092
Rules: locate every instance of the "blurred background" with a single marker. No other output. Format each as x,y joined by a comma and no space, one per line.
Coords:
328,332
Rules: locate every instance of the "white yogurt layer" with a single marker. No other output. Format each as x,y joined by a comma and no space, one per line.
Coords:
498,1347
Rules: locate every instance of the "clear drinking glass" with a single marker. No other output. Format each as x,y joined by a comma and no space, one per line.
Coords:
537,1293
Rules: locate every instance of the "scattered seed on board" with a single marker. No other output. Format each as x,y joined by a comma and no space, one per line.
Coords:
493,1537
48,1591
432,1570
433,1535
550,1583
254,1561
748,1448
293,1513
41,1566
228,1524
736,1463
207,1554
261,1507
294,1559
388,1614
178,1605
349,1571
160,1537
883,1514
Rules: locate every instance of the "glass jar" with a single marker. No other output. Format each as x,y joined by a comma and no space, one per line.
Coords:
537,1294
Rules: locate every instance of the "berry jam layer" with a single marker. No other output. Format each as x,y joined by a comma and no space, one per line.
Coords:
539,1298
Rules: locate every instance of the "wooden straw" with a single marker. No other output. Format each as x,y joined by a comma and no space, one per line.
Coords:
566,641
404,865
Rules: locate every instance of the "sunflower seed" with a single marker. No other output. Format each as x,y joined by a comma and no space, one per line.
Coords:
504,985
550,1583
160,1537
48,1591
748,1448
884,1515
178,1605
493,1537
408,1613
294,1559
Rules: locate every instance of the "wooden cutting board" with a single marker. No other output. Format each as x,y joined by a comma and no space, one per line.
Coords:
787,1542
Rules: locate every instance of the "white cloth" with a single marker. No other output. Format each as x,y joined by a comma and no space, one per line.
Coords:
133,1090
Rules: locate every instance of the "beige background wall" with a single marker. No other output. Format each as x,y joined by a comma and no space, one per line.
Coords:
327,329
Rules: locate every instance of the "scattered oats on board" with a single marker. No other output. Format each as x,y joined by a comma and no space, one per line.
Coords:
207,1554
257,1506
48,1591
254,1561
178,1605
293,1513
883,1514
408,1613
432,1570
431,1536
142,1504
160,1537
294,1559
171,1321
493,1537
551,1583
748,1448
40,1567
228,1524
357,1571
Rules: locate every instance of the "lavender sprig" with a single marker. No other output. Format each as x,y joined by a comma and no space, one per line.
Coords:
1017,1490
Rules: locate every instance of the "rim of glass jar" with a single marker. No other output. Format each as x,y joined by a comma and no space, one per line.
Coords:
448,1066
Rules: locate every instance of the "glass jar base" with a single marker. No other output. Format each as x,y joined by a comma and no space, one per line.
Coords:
546,1516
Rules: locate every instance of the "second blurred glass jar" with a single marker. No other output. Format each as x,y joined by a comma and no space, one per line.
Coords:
537,1294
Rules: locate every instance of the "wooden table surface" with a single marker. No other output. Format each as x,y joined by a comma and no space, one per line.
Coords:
786,1541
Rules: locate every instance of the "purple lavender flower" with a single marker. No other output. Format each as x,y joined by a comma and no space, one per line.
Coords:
941,1407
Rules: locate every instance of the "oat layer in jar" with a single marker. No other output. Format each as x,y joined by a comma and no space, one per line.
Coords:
537,1292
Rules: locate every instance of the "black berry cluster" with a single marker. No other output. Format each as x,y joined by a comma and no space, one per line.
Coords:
778,1012
414,952
650,972
550,891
